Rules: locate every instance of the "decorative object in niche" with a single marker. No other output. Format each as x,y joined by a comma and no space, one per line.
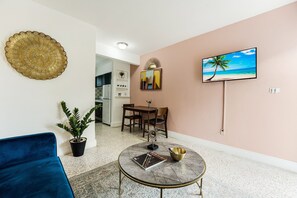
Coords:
152,63
36,55
151,79
122,75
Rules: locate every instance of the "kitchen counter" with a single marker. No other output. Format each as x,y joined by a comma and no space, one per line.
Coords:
98,100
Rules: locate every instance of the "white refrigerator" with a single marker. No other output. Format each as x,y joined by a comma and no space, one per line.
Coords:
106,109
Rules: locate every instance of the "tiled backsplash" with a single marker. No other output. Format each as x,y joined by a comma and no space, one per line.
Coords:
98,92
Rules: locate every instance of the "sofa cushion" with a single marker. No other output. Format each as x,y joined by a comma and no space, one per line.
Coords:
41,178
16,150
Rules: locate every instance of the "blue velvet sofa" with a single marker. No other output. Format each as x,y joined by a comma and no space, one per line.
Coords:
30,167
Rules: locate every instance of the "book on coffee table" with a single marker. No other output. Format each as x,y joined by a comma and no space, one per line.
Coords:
148,160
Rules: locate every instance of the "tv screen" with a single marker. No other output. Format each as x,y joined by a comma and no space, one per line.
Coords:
232,66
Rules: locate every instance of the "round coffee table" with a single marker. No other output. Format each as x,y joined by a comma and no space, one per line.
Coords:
169,174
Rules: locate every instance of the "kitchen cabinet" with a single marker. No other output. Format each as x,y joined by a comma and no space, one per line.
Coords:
99,81
98,112
107,78
104,79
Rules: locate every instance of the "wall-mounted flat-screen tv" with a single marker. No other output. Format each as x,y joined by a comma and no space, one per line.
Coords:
231,66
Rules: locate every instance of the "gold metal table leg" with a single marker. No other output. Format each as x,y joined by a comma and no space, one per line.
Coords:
200,188
120,181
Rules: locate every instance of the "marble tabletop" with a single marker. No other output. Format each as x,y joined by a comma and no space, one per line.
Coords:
169,174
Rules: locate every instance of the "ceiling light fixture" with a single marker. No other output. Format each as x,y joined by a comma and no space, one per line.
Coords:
122,45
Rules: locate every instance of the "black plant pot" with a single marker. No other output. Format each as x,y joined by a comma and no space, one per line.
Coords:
78,148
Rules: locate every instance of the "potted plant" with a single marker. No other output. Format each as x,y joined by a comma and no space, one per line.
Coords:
76,126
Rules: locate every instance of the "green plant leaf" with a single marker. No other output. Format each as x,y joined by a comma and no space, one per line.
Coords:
76,113
65,109
76,124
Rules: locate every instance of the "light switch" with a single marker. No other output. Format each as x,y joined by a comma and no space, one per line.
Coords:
274,90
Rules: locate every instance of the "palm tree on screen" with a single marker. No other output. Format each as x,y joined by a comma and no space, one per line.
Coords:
218,61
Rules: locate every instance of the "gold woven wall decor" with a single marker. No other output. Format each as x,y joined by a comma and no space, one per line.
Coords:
36,55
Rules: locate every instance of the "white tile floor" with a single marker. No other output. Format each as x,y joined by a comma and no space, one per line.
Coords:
110,143
252,178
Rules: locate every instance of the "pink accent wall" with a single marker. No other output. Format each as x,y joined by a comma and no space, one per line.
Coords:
256,120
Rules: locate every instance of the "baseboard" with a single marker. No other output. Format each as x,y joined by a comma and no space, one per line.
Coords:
91,143
266,159
115,124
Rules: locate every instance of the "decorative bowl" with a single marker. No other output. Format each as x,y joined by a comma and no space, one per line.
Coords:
177,153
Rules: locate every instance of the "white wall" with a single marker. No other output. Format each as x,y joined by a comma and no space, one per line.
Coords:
30,106
117,102
103,67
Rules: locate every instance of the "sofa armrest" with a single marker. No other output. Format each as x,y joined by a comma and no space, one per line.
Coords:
16,150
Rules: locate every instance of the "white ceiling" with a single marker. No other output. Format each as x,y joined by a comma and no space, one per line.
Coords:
102,60
148,25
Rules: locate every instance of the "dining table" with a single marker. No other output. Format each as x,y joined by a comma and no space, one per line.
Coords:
144,110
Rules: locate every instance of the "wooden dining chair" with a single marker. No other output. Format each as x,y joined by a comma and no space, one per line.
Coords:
131,116
160,121
146,120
